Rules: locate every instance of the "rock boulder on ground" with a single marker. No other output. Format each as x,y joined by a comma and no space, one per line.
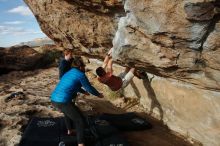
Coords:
19,58
26,58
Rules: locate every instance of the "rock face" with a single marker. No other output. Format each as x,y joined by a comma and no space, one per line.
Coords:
77,23
19,58
176,40
200,11
167,38
184,108
25,58
172,38
188,110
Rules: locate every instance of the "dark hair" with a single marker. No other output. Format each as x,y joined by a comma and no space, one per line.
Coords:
100,71
78,62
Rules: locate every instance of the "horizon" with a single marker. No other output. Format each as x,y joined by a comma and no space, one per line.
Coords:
17,23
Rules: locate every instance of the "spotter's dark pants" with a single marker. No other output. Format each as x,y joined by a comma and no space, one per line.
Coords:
73,115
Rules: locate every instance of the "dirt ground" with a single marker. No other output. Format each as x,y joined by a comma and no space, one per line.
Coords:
34,90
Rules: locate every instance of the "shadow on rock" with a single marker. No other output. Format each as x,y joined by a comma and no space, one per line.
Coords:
151,94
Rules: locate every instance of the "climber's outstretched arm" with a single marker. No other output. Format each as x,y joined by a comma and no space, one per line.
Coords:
107,64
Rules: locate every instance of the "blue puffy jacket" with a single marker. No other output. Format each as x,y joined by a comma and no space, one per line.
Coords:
70,84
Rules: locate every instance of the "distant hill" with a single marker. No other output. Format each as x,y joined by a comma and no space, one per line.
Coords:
37,42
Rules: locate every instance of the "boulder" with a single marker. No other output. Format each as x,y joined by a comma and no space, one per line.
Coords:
23,58
170,39
76,23
165,38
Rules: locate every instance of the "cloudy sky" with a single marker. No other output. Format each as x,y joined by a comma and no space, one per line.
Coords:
17,23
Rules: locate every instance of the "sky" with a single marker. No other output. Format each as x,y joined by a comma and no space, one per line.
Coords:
17,23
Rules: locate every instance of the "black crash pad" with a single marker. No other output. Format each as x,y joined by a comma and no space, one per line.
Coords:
42,132
52,132
127,121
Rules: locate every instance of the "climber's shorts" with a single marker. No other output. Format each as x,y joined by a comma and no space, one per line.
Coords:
126,78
